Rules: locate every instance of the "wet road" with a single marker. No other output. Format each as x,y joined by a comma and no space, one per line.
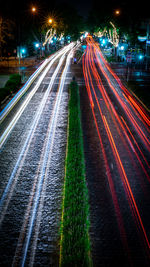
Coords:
32,155
117,153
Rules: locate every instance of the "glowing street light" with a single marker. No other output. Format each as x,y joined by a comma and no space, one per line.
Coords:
33,9
37,45
140,57
117,12
23,50
50,21
122,47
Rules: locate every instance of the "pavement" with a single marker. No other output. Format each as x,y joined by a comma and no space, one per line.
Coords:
132,73
135,78
26,67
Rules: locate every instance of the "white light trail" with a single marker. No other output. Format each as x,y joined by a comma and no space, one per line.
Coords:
46,159
21,92
29,97
23,153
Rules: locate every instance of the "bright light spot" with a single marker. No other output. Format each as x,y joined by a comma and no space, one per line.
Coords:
50,21
142,38
37,45
33,9
84,46
23,51
122,47
86,34
117,12
140,57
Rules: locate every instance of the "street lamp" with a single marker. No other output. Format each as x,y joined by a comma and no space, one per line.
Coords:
140,57
117,12
23,51
33,9
37,45
50,21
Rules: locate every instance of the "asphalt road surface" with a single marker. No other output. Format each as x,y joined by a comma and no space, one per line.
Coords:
116,143
117,153
32,155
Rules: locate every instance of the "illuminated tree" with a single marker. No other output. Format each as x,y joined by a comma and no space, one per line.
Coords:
113,35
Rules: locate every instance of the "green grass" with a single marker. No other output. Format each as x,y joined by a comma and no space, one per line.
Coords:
12,85
75,243
111,59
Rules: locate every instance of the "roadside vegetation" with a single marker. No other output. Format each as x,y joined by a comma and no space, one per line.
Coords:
11,86
75,243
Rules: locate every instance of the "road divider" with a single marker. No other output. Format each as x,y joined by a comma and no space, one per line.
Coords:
75,242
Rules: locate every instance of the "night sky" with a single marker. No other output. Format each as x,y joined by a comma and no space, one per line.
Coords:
10,7
21,11
83,6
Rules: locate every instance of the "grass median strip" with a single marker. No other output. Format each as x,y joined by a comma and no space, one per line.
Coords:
75,243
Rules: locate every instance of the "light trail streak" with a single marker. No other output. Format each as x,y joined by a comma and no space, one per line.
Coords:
29,97
136,143
109,104
37,227
21,92
140,109
43,168
86,72
126,183
32,194
114,114
131,117
143,116
47,156
16,171
88,61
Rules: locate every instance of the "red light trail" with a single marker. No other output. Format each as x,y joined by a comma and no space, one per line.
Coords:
131,128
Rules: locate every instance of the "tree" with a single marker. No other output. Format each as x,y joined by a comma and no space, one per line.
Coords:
6,31
70,22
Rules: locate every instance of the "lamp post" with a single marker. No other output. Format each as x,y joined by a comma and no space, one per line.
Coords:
147,39
50,22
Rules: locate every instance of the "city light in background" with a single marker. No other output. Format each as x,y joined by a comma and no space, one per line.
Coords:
99,56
